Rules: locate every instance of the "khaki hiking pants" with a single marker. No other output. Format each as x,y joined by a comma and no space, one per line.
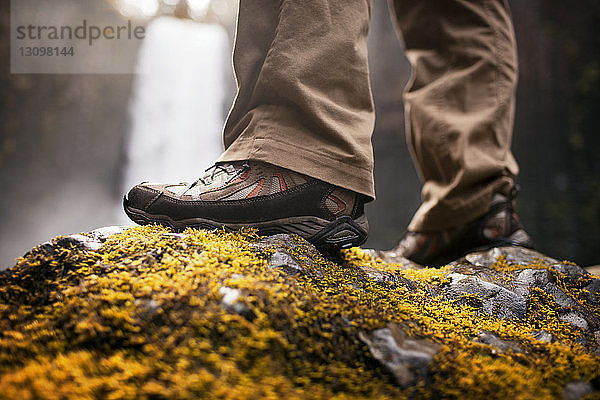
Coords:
304,98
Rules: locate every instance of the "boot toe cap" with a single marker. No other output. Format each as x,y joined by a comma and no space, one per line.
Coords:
141,196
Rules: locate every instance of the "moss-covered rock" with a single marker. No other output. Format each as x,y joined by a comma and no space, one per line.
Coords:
146,313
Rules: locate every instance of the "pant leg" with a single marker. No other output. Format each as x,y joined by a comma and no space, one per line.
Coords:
304,98
459,105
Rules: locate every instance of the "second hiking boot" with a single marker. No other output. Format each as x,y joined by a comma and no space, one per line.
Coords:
254,194
500,226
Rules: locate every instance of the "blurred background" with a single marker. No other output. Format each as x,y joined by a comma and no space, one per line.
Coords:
70,145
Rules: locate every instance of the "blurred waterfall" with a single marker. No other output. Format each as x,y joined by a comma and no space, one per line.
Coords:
177,108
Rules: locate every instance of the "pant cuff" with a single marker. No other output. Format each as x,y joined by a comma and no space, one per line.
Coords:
312,162
432,217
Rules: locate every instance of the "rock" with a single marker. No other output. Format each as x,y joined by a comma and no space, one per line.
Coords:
92,240
386,278
514,255
291,254
531,278
79,241
597,340
391,257
542,336
283,260
498,344
575,319
577,390
157,314
495,299
231,302
593,287
101,234
593,269
486,280
230,296
405,358
571,270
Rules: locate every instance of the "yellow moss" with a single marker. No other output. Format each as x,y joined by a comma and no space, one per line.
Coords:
143,318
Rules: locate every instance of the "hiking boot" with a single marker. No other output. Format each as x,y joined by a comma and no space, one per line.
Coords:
500,226
254,194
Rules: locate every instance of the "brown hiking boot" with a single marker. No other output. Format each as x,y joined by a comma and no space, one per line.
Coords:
500,226
254,194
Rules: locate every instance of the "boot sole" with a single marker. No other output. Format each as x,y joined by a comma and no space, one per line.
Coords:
342,233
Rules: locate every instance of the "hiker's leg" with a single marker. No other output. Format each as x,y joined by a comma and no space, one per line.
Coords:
459,105
304,100
298,153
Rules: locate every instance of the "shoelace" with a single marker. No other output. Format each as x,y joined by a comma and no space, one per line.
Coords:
215,170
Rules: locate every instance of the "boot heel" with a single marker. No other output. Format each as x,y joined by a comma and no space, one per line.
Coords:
342,233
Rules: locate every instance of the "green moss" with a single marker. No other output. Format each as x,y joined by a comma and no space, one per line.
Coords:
143,318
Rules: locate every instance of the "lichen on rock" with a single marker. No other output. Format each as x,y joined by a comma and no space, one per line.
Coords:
146,313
